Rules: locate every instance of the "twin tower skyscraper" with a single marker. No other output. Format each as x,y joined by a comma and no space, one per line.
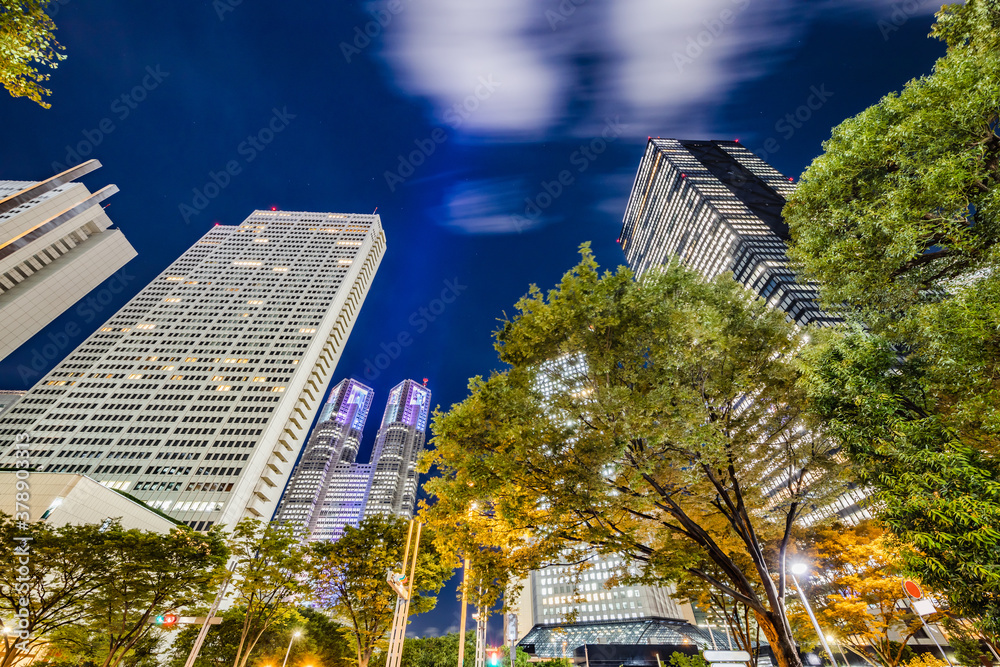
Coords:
329,490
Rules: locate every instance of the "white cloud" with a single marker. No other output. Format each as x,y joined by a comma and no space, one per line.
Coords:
487,206
563,65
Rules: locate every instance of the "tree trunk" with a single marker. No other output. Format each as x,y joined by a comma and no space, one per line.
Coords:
779,636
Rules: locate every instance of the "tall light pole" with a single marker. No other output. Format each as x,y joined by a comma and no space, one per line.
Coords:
800,568
461,624
295,635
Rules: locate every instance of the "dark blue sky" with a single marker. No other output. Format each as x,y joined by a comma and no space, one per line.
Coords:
497,97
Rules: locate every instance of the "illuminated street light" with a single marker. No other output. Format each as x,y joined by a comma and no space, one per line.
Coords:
295,635
800,568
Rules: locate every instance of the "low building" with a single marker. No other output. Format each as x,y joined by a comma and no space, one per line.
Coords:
68,498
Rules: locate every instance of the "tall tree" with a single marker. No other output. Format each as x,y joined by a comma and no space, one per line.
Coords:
147,574
855,588
269,564
349,579
27,44
898,222
671,432
936,493
54,571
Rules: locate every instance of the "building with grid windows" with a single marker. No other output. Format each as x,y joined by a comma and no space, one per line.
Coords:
314,498
9,398
329,490
717,207
197,395
394,458
56,245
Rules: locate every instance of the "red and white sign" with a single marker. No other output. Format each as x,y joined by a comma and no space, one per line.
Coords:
911,588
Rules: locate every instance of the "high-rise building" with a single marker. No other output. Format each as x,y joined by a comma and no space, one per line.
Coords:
717,207
197,395
316,497
399,443
9,398
345,492
56,245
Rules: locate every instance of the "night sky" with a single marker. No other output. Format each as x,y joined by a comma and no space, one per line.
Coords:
453,117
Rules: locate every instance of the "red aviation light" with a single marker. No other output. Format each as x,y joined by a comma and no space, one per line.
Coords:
274,208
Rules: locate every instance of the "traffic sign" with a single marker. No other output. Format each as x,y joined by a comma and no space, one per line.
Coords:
911,588
726,658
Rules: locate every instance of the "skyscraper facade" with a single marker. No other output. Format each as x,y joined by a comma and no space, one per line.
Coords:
197,395
56,245
717,207
329,490
334,441
399,443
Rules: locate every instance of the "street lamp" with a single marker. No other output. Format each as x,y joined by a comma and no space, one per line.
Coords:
800,568
295,635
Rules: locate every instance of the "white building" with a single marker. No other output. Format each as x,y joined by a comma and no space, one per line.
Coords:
197,396
62,499
9,398
56,245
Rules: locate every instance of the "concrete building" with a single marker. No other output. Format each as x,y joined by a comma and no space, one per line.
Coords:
60,499
9,398
400,441
56,245
197,396
329,490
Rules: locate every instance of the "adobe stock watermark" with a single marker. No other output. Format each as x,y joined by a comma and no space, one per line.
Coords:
223,7
53,7
248,150
581,159
22,552
901,13
794,121
562,12
419,321
454,117
45,354
363,35
121,108
696,44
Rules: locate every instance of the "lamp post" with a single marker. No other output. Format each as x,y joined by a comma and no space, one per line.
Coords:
800,568
295,635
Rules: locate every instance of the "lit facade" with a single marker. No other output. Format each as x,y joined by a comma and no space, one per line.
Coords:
197,395
399,443
56,245
326,500
332,447
717,207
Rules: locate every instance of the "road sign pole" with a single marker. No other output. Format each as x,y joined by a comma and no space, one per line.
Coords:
927,628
